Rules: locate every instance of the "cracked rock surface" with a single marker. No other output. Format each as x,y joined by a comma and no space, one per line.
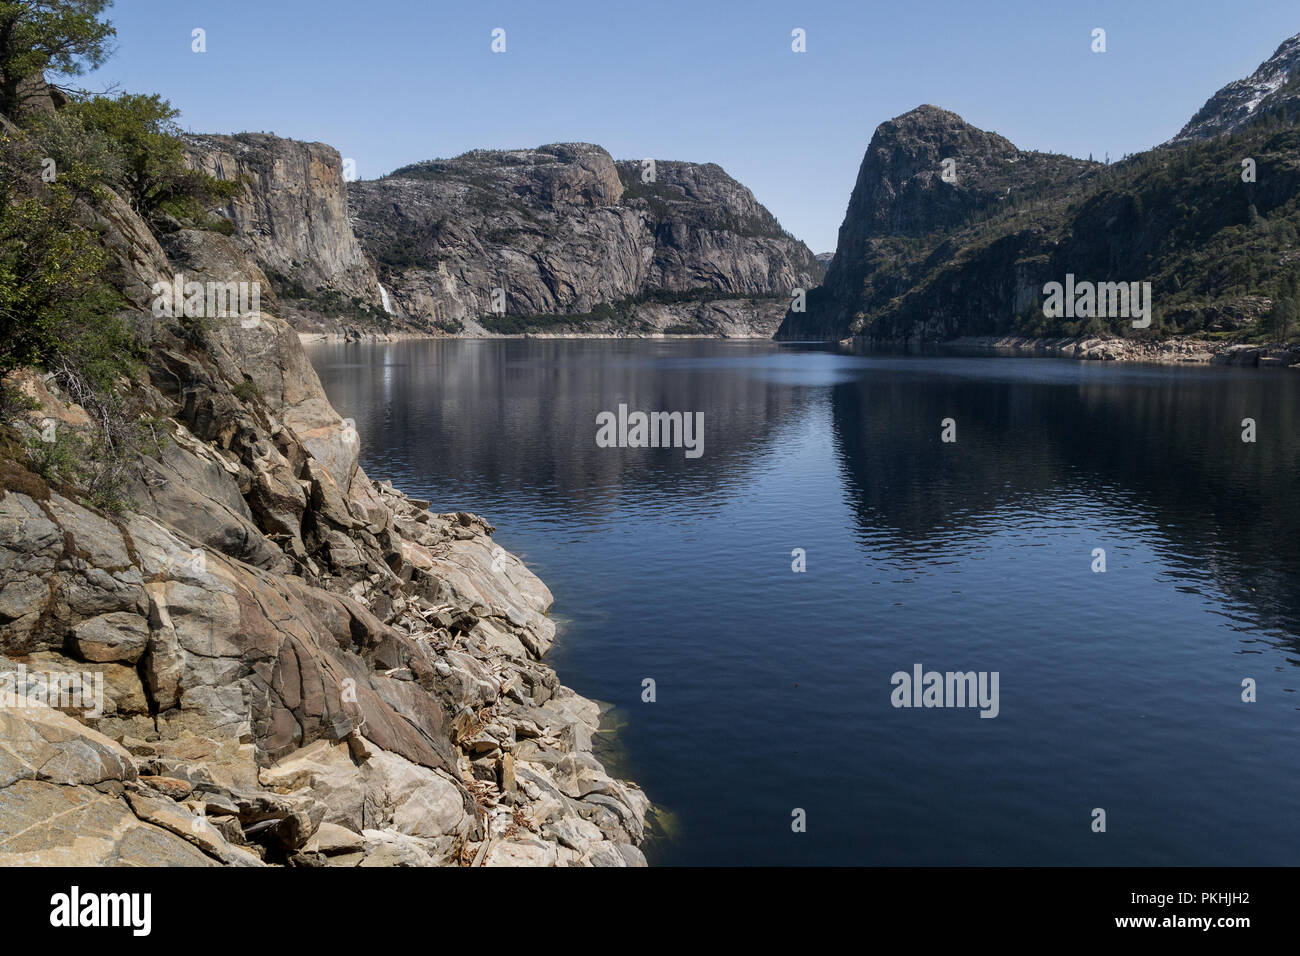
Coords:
268,657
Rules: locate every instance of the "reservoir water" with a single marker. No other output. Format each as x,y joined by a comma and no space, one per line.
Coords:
1120,690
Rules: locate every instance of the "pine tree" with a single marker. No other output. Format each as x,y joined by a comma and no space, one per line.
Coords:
65,36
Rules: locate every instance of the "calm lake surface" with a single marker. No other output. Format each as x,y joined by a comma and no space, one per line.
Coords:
1119,690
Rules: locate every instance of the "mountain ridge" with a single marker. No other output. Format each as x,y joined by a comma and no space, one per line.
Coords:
574,240
572,236
1241,102
952,231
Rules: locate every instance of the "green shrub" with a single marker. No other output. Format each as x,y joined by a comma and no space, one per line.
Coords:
58,460
84,156
54,297
246,391
154,177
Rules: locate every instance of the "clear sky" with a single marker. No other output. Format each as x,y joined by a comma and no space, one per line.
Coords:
389,82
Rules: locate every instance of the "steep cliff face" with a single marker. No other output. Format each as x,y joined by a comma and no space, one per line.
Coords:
709,232
291,217
269,657
952,231
575,242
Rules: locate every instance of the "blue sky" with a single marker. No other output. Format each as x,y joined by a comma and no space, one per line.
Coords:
389,82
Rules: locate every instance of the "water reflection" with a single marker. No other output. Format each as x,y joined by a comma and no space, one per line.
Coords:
1119,690
1163,445
518,418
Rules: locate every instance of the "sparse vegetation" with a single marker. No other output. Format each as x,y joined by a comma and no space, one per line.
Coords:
54,295
329,301
620,316
246,391
59,310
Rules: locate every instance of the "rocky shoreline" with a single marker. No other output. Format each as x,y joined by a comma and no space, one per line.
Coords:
381,701
258,655
1172,351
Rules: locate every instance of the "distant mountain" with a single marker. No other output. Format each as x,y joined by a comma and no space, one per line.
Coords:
577,242
926,175
953,231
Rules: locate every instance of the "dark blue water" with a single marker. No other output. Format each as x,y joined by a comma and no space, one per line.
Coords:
1119,690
